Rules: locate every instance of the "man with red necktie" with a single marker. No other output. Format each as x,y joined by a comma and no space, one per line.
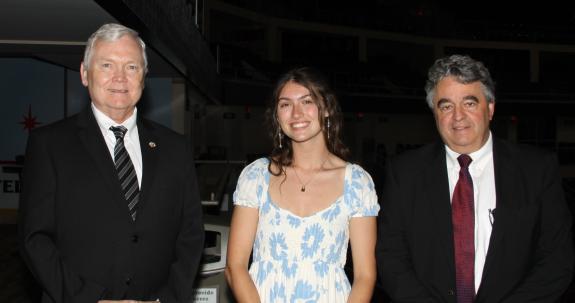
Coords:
473,218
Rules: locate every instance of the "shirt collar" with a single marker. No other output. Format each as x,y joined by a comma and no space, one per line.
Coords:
480,157
105,122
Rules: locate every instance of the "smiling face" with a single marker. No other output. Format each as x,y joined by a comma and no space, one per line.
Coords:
462,114
115,78
298,114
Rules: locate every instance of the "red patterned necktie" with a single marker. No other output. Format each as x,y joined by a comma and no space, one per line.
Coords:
464,232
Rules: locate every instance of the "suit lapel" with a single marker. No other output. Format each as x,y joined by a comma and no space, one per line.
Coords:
505,193
149,145
438,194
92,139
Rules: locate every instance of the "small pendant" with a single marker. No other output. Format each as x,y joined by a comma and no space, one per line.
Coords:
303,188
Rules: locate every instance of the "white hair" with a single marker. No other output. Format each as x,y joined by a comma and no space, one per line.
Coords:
112,32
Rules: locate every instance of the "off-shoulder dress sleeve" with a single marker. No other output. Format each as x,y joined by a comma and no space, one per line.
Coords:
365,204
251,184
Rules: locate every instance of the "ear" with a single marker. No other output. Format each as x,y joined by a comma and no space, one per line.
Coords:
491,107
84,75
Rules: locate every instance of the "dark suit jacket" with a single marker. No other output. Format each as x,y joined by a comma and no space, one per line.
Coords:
76,233
530,254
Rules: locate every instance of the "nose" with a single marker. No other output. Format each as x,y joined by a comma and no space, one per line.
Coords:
119,75
458,113
297,110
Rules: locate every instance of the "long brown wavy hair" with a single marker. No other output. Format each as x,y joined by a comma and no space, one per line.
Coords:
326,101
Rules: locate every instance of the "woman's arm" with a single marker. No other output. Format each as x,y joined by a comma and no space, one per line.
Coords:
362,234
242,234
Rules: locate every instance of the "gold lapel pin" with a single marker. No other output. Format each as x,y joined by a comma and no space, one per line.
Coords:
152,144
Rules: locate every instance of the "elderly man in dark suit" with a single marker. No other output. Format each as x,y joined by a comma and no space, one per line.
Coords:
472,218
109,207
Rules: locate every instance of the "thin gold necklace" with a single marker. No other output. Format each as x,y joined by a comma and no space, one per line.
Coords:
303,185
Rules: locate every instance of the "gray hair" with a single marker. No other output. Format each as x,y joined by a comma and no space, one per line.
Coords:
112,32
465,70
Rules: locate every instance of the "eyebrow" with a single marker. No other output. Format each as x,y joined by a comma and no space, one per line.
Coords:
111,59
441,101
468,97
300,98
471,97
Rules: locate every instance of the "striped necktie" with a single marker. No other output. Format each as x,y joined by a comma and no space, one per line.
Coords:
125,170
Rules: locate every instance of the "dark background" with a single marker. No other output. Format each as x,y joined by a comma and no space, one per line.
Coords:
236,49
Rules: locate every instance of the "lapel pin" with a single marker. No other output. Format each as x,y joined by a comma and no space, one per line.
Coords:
152,144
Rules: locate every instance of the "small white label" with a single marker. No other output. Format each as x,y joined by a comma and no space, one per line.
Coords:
205,295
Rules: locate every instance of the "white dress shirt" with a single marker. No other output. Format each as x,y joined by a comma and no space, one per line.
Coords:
483,176
131,139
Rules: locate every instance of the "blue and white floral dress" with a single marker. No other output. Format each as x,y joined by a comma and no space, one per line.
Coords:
301,259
